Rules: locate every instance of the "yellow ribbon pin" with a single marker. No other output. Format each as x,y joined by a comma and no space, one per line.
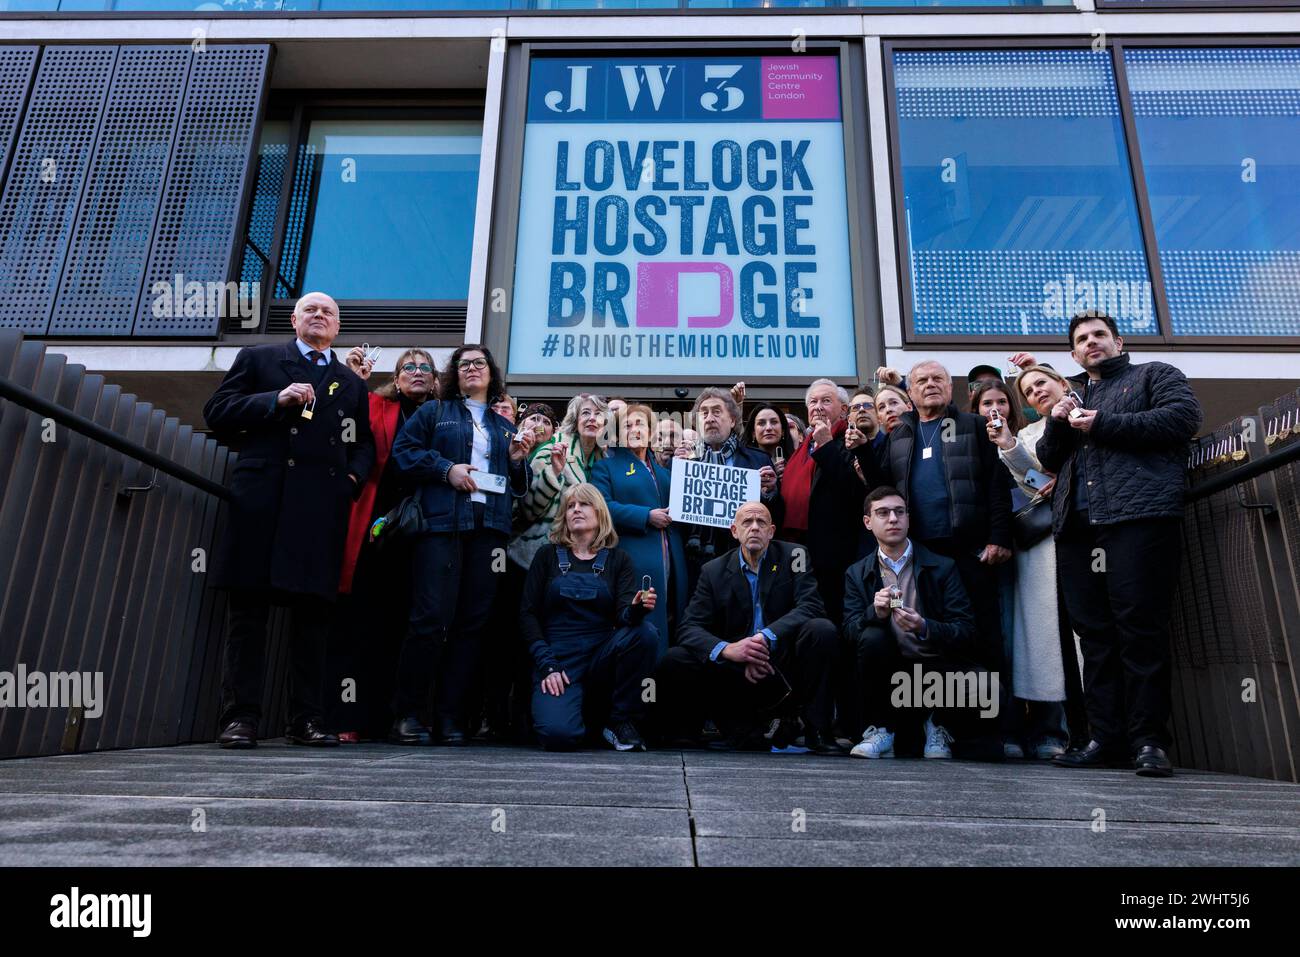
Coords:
333,386
631,470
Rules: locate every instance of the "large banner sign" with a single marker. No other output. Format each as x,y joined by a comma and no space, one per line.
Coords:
683,216
703,493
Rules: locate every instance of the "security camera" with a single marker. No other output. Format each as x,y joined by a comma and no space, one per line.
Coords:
681,392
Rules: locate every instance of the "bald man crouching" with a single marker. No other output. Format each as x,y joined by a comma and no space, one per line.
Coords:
300,419
753,645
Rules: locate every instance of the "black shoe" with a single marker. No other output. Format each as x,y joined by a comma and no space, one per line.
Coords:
311,734
410,731
451,733
1152,762
623,736
819,743
1093,756
238,734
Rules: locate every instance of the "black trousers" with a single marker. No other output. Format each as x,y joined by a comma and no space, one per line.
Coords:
690,690
1118,582
244,673
982,587
366,639
891,704
454,583
606,687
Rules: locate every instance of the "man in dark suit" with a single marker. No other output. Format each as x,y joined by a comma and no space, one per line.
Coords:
754,644
300,418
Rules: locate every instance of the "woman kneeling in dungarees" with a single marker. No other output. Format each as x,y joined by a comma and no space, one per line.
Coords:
583,618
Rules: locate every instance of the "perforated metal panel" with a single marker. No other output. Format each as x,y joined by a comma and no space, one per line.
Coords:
16,67
201,202
293,233
44,183
100,288
261,218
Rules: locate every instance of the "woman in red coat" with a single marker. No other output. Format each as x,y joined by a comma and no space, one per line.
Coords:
374,586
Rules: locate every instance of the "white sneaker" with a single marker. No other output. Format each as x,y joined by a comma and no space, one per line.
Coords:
876,743
937,740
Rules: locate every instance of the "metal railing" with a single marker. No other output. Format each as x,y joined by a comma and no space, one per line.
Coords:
1236,621
109,514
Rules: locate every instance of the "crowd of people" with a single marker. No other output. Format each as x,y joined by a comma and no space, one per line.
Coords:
919,574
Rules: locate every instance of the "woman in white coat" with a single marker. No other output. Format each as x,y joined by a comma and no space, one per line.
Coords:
1037,669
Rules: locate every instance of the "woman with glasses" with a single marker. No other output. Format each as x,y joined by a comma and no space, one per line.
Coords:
376,580
506,407
636,489
468,468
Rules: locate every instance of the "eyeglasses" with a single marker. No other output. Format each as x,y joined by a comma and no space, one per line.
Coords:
886,512
411,367
862,406
472,364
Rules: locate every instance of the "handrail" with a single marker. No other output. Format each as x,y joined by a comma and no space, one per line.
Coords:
93,430
1246,472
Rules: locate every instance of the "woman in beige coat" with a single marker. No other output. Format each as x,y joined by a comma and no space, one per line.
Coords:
1037,669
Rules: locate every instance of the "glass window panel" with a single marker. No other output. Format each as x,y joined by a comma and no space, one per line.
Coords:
1019,203
1219,131
392,208
271,156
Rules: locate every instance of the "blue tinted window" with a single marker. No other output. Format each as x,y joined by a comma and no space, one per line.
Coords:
1019,204
391,209
1220,136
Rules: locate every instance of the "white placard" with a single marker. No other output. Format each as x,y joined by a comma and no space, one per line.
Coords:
704,493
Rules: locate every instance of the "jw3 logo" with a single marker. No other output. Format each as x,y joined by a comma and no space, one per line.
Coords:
653,80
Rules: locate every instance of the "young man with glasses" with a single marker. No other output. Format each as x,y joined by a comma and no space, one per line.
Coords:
753,645
904,609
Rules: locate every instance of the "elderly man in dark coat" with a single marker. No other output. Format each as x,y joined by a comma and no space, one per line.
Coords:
299,417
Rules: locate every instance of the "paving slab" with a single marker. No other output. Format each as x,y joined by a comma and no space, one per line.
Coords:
492,805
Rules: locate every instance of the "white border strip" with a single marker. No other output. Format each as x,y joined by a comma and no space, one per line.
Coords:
882,189
487,179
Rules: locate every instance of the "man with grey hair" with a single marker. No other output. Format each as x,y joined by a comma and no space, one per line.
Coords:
717,418
823,496
300,419
958,492
822,492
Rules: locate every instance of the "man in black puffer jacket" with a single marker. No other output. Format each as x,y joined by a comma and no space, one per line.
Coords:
1120,462
958,493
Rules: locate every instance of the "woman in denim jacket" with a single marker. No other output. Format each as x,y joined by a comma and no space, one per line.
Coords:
470,469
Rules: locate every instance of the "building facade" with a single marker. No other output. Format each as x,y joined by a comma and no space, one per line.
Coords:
648,197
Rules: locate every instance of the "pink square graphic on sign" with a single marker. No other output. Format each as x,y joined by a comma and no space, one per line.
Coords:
800,87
